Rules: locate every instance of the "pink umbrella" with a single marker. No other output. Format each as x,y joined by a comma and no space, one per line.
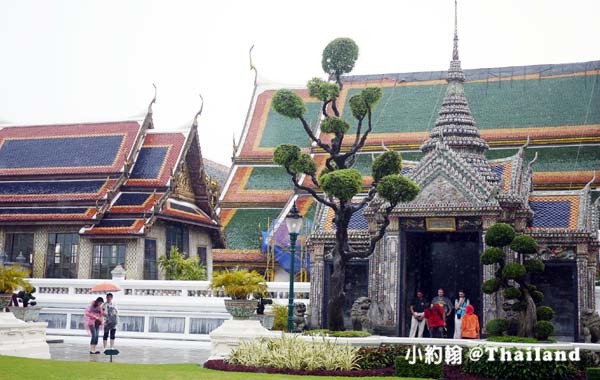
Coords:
104,287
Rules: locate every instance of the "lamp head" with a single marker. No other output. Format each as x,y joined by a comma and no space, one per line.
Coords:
293,220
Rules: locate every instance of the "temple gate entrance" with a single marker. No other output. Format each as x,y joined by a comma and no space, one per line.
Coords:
440,260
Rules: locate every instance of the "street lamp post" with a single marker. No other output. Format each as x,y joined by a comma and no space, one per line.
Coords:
294,225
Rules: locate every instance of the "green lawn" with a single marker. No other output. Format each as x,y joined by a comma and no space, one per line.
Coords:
29,369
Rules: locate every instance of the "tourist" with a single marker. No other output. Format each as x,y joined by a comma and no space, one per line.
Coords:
93,320
459,306
110,312
469,324
445,302
417,310
435,320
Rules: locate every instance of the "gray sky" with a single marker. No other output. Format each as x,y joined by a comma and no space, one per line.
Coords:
96,60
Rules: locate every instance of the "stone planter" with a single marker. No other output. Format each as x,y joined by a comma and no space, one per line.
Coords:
266,320
240,309
27,314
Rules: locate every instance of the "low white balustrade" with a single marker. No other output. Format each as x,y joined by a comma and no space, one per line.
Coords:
161,309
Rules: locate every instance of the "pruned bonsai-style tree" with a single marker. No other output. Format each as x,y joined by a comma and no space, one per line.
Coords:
512,279
337,180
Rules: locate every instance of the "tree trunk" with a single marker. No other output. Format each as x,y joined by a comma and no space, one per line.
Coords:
337,295
528,316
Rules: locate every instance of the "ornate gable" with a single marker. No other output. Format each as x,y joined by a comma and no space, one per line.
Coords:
183,185
444,174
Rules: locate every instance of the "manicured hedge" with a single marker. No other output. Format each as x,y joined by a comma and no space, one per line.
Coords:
418,369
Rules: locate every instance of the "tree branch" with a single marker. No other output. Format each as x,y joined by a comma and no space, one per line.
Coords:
314,180
370,195
357,146
324,108
309,190
374,239
313,137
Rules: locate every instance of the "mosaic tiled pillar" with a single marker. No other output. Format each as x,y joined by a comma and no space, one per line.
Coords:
40,249
316,285
84,269
134,260
582,285
391,279
384,284
2,240
591,288
375,283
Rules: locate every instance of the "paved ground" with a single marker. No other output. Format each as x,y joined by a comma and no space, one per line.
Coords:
143,351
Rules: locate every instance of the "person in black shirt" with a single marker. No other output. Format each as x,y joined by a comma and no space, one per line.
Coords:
417,310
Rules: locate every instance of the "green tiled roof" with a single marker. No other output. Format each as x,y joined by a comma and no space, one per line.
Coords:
283,130
531,103
556,159
243,232
499,104
363,164
412,156
269,178
402,108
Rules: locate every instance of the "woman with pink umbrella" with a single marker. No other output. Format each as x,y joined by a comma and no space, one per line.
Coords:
93,320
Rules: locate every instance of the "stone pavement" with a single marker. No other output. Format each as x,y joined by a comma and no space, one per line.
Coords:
142,351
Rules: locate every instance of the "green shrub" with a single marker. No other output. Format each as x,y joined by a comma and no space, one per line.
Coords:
286,154
335,125
534,266
492,255
545,313
339,56
342,184
382,356
288,103
499,235
318,88
387,163
418,369
543,329
589,359
524,244
512,293
513,271
592,373
177,267
397,188
280,320
537,296
512,339
520,370
496,326
490,286
292,353
305,164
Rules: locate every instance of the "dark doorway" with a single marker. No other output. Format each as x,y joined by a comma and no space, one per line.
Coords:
559,285
440,260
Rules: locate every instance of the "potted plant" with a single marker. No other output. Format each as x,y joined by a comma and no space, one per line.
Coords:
11,279
240,284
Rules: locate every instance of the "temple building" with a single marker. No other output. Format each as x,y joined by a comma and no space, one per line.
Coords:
78,199
519,145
